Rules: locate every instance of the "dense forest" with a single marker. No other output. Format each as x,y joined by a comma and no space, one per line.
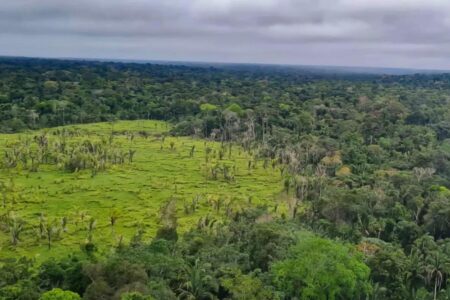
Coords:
365,161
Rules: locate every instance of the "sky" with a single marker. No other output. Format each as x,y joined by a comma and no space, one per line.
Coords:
376,33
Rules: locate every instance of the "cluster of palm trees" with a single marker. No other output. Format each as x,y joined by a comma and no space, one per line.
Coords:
91,154
215,167
199,282
46,228
432,264
221,170
52,229
192,206
10,194
12,225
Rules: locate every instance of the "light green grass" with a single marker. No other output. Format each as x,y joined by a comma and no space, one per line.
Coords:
138,190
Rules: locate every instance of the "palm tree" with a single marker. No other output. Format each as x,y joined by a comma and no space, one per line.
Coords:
80,216
33,116
90,228
378,293
61,106
191,152
198,284
113,216
41,225
16,226
64,222
3,189
131,154
436,266
51,232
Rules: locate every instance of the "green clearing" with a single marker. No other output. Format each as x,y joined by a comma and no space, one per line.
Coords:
162,168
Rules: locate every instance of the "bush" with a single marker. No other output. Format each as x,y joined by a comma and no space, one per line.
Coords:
58,294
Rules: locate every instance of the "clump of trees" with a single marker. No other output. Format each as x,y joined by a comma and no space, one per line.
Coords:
67,154
242,259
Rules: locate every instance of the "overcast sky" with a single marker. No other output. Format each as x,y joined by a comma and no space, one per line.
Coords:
395,33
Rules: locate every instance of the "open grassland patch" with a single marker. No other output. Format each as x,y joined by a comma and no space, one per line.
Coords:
204,177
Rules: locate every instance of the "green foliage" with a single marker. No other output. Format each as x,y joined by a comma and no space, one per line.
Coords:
236,109
58,294
359,158
247,287
16,280
389,266
135,296
321,269
66,274
207,107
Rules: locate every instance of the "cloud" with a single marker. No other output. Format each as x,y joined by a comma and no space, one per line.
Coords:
406,33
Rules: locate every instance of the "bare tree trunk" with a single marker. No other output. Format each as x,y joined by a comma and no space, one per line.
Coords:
435,288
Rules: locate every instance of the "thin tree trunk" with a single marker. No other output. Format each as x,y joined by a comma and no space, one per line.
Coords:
435,288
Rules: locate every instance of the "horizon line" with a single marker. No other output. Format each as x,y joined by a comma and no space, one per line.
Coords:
211,63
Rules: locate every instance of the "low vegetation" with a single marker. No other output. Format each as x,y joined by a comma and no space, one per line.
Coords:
104,183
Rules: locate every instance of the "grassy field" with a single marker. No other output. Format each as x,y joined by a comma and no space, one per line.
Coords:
162,168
